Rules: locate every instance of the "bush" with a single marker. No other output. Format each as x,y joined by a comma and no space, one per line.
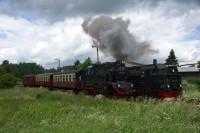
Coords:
191,83
7,80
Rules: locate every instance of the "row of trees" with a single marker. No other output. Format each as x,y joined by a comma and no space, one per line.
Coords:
21,69
10,74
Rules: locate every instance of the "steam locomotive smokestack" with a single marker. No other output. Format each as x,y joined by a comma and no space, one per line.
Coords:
115,39
154,62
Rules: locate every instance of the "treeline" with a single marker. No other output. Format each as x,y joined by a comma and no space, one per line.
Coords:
10,74
21,69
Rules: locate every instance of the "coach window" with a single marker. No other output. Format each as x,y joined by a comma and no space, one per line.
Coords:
69,77
65,77
73,77
60,78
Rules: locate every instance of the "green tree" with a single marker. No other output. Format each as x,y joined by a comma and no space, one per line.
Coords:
2,71
172,59
77,62
5,62
85,64
7,80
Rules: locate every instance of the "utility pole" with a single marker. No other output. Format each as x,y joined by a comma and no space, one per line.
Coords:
59,66
95,45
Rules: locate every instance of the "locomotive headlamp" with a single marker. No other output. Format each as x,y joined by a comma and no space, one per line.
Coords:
131,85
180,85
118,85
168,86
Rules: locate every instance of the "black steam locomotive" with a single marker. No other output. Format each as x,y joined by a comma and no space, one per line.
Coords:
115,79
156,80
107,79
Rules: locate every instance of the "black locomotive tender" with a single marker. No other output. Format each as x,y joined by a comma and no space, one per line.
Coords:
115,79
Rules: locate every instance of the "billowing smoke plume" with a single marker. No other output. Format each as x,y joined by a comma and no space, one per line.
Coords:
113,38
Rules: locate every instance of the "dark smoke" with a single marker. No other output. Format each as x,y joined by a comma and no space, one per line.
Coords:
113,37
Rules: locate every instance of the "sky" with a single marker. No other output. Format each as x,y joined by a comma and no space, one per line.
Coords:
42,30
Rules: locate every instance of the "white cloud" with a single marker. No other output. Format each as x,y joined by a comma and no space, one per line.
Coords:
167,32
28,41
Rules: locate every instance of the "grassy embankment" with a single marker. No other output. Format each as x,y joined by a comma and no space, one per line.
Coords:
39,110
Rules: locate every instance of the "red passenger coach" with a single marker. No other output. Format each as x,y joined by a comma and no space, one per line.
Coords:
65,80
44,80
29,80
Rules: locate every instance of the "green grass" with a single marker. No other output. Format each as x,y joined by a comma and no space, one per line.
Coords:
191,88
38,110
